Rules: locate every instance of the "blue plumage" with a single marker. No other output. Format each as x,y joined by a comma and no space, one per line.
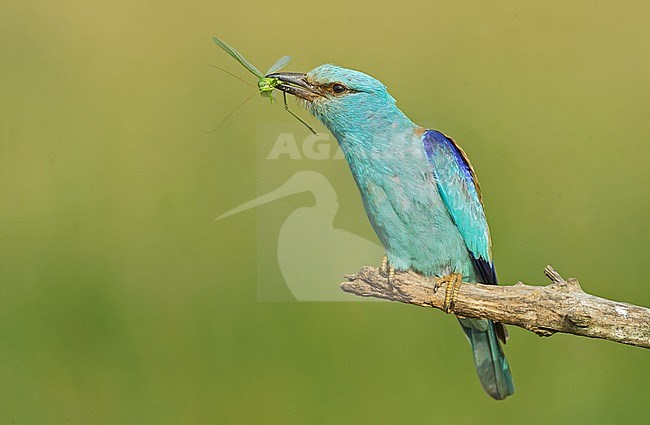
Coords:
458,187
476,231
419,191
460,192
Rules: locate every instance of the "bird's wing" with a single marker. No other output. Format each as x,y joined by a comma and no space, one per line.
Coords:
461,194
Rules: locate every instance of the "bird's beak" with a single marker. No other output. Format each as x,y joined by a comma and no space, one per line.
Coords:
296,83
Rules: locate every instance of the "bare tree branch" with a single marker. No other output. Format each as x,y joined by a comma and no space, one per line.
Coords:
561,306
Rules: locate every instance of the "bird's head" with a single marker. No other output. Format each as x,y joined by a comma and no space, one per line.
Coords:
343,99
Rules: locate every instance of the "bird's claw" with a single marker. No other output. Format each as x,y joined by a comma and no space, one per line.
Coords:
387,269
383,268
452,284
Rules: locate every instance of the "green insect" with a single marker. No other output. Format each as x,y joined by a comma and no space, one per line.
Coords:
265,85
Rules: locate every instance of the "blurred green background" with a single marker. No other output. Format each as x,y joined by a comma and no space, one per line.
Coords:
124,302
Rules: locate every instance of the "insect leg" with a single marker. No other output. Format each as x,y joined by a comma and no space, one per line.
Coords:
286,108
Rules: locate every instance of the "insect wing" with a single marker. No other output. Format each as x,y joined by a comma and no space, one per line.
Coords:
235,54
279,64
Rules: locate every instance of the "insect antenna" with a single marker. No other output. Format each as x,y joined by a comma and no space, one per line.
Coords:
230,73
286,108
230,114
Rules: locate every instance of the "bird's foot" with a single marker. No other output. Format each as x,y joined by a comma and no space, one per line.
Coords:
452,284
387,269
383,268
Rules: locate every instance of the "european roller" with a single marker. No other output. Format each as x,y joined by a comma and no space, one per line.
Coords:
419,191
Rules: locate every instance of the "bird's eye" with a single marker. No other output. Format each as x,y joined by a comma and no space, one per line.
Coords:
339,88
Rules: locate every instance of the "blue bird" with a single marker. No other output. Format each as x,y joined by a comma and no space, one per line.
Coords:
419,191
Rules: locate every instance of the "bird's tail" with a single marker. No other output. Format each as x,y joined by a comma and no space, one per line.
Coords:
491,364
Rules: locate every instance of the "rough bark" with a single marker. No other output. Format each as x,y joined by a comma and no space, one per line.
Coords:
561,306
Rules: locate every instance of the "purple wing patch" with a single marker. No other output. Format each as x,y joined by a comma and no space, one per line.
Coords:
436,144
